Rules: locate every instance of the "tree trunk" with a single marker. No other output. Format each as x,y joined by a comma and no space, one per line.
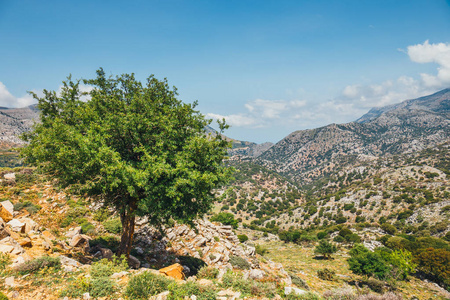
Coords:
127,217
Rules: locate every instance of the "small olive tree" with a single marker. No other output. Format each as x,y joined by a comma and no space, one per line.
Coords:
133,146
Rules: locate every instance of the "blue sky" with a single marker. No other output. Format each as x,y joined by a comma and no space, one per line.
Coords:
268,67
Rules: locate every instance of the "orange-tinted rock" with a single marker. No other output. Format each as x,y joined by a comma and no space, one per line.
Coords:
174,271
6,211
26,242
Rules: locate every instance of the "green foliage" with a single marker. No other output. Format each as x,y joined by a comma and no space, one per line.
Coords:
436,264
137,146
208,272
326,274
225,218
239,263
87,227
370,264
184,291
322,234
37,264
5,260
28,206
242,238
145,285
113,225
402,262
261,250
105,267
325,248
3,296
106,241
236,282
299,282
389,228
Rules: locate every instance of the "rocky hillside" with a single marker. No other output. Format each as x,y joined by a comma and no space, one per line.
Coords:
408,127
15,121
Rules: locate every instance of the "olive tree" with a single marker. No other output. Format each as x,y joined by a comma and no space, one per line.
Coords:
131,146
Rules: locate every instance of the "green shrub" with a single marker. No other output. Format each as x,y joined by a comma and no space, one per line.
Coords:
28,206
3,296
96,287
261,250
375,285
242,238
325,248
326,274
239,263
106,241
87,227
236,282
208,272
389,228
436,264
299,282
225,218
113,225
306,296
367,263
38,264
147,284
183,291
402,261
105,268
321,235
5,260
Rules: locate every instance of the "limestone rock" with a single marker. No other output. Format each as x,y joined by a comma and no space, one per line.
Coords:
296,291
174,271
10,176
16,225
6,210
9,281
26,242
30,225
79,240
161,296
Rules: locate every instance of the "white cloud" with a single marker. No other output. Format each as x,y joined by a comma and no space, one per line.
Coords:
433,53
263,113
363,97
8,100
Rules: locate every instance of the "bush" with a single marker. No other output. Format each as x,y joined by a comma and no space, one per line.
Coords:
96,287
184,291
239,263
5,260
145,285
3,296
225,218
105,268
325,248
326,274
403,264
389,228
436,264
261,250
242,238
38,264
28,206
113,225
208,273
370,264
321,235
299,282
236,282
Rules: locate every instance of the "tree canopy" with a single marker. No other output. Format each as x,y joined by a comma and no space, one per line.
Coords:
133,146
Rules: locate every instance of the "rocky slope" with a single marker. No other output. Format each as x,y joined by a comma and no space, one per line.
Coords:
15,121
408,127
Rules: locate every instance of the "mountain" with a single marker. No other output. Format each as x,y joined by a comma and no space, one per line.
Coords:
407,127
15,121
243,148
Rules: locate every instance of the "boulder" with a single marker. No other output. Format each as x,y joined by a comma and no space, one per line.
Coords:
79,240
161,296
6,248
6,210
29,225
174,271
10,176
73,231
256,274
9,281
3,233
133,262
16,225
288,290
26,242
